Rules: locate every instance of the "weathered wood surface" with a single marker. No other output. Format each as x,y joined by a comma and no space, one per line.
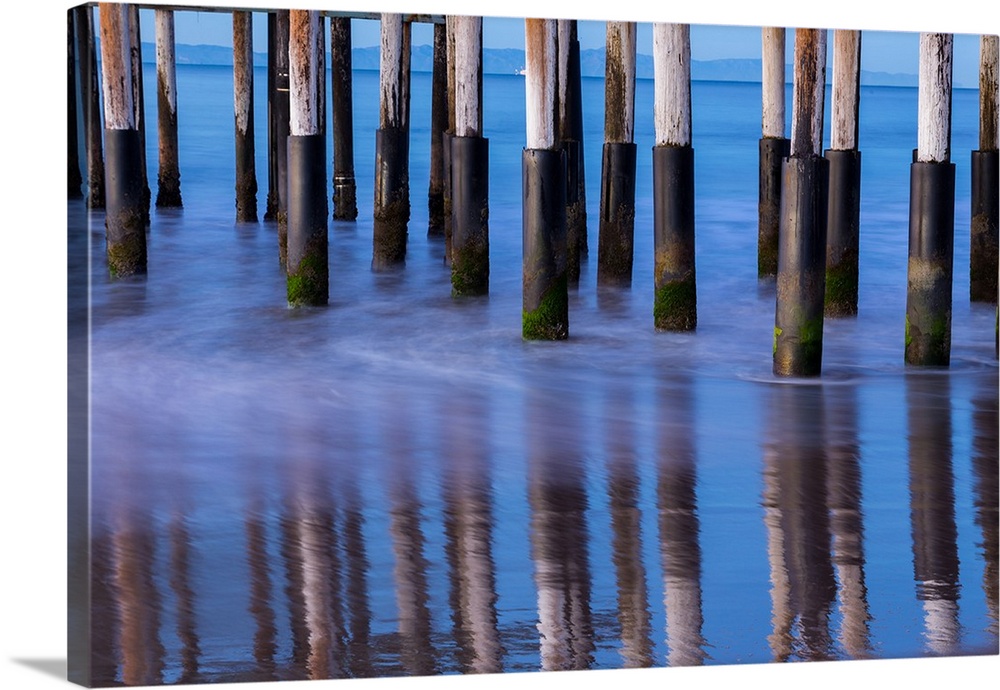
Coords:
672,79
540,82
773,82
989,101
619,83
116,63
934,98
439,126
90,94
808,92
468,76
846,92
243,89
169,175
304,60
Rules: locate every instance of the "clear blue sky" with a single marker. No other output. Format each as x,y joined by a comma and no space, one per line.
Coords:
882,51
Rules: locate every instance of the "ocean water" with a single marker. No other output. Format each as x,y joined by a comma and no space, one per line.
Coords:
397,484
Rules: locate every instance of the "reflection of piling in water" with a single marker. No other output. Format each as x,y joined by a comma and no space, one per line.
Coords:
294,585
416,652
359,614
843,483
797,519
626,518
983,251
309,547
138,602
680,548
773,148
323,549
104,626
559,545
782,613
468,522
246,171
798,321
985,449
180,583
932,211
345,193
392,146
616,234
168,191
932,509
90,97
128,587
675,301
265,634
410,574
125,216
319,578
843,239
545,288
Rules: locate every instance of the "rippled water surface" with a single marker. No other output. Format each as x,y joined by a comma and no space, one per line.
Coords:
398,484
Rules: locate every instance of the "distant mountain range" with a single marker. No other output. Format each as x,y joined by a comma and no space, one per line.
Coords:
511,61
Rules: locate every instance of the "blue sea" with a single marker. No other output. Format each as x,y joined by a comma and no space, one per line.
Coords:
398,484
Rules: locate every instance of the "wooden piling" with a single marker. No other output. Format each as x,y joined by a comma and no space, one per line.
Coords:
439,125
392,184
124,220
616,234
282,100
319,73
675,304
983,258
843,231
932,211
279,127
470,236
139,103
570,127
90,95
773,147
545,299
74,179
307,259
449,134
271,204
345,197
798,323
246,171
169,175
